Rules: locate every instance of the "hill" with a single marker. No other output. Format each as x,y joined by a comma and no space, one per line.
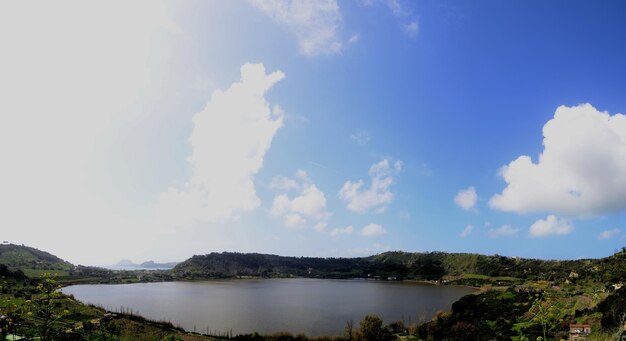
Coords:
462,268
32,262
153,265
233,264
128,265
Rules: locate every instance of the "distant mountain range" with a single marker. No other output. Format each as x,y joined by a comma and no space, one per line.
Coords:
127,264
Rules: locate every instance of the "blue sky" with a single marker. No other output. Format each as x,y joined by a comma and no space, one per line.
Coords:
328,128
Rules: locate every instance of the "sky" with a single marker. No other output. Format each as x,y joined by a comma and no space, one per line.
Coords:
155,130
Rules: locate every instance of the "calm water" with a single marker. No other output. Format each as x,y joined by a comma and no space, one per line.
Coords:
311,306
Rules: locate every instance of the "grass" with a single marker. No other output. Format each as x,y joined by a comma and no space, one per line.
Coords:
489,278
36,273
475,276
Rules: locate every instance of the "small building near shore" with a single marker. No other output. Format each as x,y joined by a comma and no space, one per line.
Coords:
579,332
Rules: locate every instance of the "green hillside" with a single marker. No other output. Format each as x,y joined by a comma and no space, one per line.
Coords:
460,268
31,261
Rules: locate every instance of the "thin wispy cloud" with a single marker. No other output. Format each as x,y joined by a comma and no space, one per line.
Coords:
609,234
466,231
338,231
316,24
503,231
354,38
361,137
403,13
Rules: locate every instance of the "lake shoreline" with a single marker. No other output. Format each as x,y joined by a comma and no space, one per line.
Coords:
316,307
96,280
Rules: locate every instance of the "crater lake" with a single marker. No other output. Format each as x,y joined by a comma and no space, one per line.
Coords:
315,307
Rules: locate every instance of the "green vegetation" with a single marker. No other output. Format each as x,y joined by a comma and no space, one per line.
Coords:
519,299
31,261
34,308
452,268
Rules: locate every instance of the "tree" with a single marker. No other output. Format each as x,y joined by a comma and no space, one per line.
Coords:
46,313
397,327
371,329
349,330
546,313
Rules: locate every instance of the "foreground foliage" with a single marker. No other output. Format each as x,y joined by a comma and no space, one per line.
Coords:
520,299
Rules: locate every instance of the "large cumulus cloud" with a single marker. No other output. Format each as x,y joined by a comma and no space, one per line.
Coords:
581,172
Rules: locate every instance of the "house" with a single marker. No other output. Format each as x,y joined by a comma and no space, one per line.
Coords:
579,331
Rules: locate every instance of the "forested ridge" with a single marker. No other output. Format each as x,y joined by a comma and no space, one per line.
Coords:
401,265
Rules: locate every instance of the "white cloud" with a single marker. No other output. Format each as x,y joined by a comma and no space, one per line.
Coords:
378,195
316,24
551,226
503,231
283,183
341,231
401,12
608,234
354,39
73,72
466,199
398,165
580,172
372,230
466,231
229,140
361,137
309,204
320,226
294,221
411,28
281,205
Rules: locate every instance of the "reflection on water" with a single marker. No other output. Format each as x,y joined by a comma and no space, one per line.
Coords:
311,306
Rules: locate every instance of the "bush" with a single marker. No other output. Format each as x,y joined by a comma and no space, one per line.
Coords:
371,329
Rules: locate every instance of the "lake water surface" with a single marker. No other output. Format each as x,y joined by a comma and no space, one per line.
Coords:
311,306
